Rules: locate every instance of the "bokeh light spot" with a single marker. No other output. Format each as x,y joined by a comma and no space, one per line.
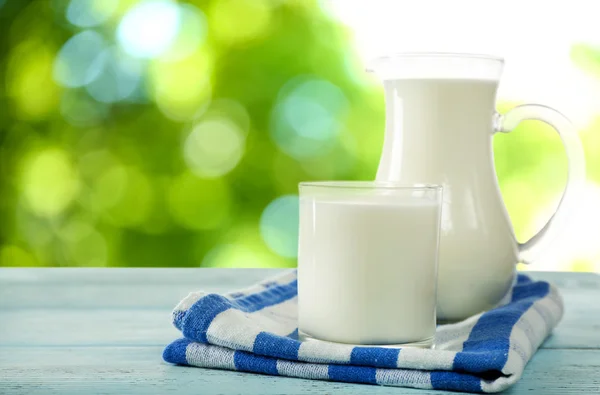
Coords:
118,78
90,250
136,200
233,110
149,28
85,246
94,163
88,13
181,89
109,187
30,70
279,225
49,182
305,122
309,119
214,148
237,21
190,36
240,246
237,255
197,203
75,63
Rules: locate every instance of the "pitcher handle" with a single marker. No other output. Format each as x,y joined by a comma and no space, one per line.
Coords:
529,250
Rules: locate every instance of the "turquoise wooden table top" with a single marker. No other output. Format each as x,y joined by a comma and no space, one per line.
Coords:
85,331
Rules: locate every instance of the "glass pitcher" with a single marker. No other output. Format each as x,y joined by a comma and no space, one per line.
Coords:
440,120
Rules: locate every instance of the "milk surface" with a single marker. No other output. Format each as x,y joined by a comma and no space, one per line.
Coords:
367,269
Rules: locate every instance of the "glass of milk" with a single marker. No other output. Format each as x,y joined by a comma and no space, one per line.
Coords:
367,262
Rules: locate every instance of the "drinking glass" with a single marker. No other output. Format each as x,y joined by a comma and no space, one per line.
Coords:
367,262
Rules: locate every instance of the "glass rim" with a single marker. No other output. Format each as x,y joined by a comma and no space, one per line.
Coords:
389,185
461,55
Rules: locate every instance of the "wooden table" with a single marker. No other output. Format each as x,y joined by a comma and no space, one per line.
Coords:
87,331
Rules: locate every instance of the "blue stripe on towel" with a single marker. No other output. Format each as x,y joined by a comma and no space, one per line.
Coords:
276,346
294,334
375,356
201,314
533,291
523,279
176,352
178,316
455,381
199,317
249,362
490,360
352,374
269,297
489,341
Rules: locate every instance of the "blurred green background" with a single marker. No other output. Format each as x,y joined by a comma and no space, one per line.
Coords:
163,133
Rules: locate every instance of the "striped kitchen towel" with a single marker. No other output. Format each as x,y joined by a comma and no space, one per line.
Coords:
255,330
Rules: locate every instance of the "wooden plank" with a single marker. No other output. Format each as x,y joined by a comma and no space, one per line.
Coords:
71,331
120,327
85,305
110,296
80,370
127,276
82,327
580,326
115,288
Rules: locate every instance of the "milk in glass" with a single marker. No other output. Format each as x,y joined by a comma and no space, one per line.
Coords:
367,268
